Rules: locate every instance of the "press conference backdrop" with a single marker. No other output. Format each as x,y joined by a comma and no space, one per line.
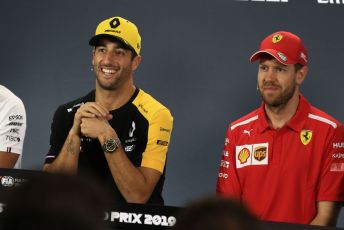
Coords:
195,61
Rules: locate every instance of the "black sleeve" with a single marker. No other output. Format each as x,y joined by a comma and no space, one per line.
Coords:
61,124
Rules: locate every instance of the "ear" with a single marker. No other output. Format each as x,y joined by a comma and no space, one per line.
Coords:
136,62
93,54
301,74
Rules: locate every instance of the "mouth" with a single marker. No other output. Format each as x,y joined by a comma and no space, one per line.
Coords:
109,71
270,88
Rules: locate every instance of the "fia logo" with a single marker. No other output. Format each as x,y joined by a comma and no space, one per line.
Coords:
7,181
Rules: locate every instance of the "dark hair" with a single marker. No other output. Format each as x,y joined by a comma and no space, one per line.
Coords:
215,213
118,41
267,56
55,202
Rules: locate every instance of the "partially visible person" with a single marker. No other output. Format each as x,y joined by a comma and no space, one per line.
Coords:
55,202
216,214
284,161
12,129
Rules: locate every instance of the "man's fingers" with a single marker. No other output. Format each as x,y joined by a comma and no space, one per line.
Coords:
95,108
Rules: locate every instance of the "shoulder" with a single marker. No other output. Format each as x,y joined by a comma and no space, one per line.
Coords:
72,106
247,120
149,107
10,102
321,118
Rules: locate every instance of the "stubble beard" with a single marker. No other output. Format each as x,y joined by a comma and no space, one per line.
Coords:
116,83
281,100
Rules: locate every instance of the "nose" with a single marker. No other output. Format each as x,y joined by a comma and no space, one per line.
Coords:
270,75
109,57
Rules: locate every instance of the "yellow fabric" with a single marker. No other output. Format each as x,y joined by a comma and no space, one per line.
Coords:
159,132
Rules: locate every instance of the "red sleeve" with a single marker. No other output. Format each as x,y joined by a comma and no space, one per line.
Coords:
331,186
227,183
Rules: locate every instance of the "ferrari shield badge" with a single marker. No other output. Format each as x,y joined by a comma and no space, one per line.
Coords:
306,136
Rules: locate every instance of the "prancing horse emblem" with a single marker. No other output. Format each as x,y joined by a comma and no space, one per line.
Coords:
306,136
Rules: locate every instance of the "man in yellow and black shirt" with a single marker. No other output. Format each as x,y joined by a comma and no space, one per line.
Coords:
117,133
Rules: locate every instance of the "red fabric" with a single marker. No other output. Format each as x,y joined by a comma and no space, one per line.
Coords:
277,176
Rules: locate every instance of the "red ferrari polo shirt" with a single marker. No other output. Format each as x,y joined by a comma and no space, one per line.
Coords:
281,174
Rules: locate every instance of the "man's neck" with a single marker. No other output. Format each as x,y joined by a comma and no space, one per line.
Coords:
279,116
114,99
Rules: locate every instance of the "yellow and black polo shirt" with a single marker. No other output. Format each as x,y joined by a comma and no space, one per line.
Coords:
144,127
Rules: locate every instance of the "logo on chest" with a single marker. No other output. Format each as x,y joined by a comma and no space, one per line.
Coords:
255,154
306,136
130,142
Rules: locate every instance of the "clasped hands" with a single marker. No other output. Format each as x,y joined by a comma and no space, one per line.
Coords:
91,120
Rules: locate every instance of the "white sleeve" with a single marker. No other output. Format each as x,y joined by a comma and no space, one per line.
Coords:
12,125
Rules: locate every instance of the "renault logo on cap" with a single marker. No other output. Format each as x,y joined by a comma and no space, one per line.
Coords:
277,38
114,23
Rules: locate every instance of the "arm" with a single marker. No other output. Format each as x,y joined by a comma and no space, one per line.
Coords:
228,184
331,189
8,160
12,129
136,184
67,159
327,213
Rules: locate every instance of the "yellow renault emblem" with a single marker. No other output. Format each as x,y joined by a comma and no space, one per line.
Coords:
306,136
276,38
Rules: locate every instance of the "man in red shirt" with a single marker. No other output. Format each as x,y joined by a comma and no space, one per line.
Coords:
285,160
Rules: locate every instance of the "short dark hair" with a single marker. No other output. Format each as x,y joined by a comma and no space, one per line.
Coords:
215,213
118,41
267,56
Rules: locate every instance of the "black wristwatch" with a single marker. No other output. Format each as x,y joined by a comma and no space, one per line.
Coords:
111,145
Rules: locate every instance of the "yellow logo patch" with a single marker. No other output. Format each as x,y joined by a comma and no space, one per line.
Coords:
277,38
306,136
243,155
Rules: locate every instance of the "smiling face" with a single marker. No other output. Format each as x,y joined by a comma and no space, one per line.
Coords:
113,65
278,83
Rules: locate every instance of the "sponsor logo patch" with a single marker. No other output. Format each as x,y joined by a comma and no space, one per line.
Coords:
15,117
243,155
225,164
338,155
165,130
260,153
306,136
227,141
129,148
248,132
338,145
160,142
277,38
282,56
13,123
132,129
143,109
223,175
337,167
255,154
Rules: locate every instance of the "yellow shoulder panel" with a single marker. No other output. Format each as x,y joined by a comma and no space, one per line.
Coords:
159,132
